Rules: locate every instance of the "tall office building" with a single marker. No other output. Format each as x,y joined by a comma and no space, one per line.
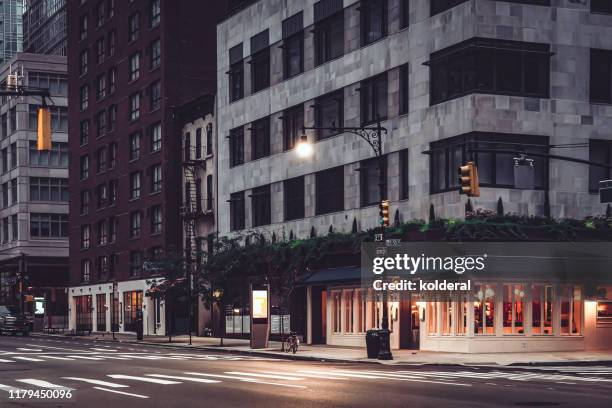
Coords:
11,29
44,27
131,65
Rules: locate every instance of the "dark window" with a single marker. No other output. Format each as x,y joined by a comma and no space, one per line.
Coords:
101,123
101,195
260,138
155,95
84,134
374,99
330,190
112,192
601,6
404,13
49,189
404,91
294,198
209,192
236,140
370,181
490,66
156,219
135,142
112,155
135,224
261,206
601,76
83,27
85,196
155,54
198,142
101,87
236,81
135,268
237,211
134,66
329,38
84,167
101,160
49,226
403,176
135,106
100,52
373,20
156,137
293,124
209,139
438,6
155,13
83,60
156,178
260,70
135,185
329,114
293,55
133,27
494,169
112,43
600,151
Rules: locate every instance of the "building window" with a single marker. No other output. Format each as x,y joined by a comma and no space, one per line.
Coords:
100,52
260,70
135,185
337,311
329,113
542,301
209,139
293,125
236,81
484,310
155,53
329,38
101,87
101,233
260,138
56,157
135,268
404,172
209,192
370,181
83,60
135,219
156,178
101,195
404,89
112,230
373,20
133,27
135,142
438,6
156,219
59,118
330,190
293,190
14,195
112,192
404,14
236,140
374,101
53,226
155,95
5,160
84,132
601,6
101,123
112,156
112,80
600,151
198,143
112,43
84,172
85,195
155,14
85,270
261,206
490,66
84,97
101,160
293,55
14,228
237,211
156,139
83,27
601,76
49,189
514,309
134,66
494,169
135,106
99,14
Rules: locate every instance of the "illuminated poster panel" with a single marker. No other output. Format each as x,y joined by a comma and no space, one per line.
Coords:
260,304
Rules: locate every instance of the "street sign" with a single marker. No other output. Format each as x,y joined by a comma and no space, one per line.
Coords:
378,237
394,242
605,191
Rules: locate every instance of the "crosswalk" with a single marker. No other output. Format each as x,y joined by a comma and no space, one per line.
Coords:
105,357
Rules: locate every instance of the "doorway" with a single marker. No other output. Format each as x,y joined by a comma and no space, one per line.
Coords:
319,315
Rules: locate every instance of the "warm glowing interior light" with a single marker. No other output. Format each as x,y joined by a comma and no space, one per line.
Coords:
304,147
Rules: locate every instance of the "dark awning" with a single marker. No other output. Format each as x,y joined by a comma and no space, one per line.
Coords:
332,275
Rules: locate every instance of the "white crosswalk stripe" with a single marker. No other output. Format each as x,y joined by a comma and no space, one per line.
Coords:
97,382
176,377
274,376
27,358
121,392
59,358
6,361
86,358
246,379
143,379
40,383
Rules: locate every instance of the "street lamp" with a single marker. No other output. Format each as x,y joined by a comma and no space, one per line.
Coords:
373,136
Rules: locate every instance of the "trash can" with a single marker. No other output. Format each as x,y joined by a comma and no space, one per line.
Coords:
373,343
139,328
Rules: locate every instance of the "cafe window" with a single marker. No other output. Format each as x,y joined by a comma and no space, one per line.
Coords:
432,318
132,305
237,211
261,206
601,6
490,66
101,311
484,310
329,114
293,124
571,310
337,311
462,315
447,316
374,103
294,198
236,140
542,301
373,20
604,311
601,76
330,190
349,316
329,38
494,169
260,138
514,309
369,173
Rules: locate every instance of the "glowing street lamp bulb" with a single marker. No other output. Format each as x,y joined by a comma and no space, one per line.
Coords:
304,148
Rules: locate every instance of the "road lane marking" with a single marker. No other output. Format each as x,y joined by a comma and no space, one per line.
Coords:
58,348
40,383
102,349
87,358
145,379
371,377
399,377
244,379
6,361
97,382
58,358
114,358
121,392
274,376
28,349
28,358
176,377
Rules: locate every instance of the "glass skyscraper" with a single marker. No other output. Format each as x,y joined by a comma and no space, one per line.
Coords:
11,29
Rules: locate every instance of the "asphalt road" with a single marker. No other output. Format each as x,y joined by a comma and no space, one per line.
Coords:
113,375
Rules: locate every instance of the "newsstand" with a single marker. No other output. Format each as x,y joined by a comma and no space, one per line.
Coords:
373,343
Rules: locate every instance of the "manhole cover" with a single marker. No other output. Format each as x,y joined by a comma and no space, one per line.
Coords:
536,404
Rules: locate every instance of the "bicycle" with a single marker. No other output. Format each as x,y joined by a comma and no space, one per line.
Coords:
292,342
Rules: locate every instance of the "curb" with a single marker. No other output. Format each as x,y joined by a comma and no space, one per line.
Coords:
287,356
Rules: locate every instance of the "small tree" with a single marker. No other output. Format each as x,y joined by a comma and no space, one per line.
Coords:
468,207
354,227
608,211
291,235
500,207
396,221
432,213
313,232
331,229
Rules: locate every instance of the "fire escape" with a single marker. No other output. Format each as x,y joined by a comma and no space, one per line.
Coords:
192,210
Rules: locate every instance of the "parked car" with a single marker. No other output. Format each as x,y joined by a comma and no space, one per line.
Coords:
13,322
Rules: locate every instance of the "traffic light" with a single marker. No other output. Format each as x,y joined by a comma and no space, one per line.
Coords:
44,128
384,213
468,180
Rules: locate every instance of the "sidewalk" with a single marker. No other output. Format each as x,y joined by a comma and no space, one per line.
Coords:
350,354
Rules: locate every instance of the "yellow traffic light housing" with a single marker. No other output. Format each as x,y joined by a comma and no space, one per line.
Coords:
468,180
44,128
384,213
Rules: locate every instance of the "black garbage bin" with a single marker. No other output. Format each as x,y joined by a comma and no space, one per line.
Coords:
139,328
373,343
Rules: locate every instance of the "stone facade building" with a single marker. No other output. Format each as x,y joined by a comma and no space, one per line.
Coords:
450,80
